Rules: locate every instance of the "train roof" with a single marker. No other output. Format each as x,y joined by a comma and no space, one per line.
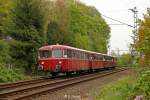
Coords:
50,47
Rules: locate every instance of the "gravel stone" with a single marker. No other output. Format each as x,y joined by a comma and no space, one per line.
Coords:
86,90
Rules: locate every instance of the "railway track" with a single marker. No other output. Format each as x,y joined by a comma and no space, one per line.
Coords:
20,83
38,87
7,86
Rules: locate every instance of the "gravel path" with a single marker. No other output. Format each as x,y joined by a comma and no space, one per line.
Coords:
84,91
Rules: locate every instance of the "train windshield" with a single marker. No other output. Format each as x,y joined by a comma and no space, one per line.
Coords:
57,53
45,54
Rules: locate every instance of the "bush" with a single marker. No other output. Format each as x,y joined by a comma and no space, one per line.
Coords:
125,60
118,90
142,86
9,75
4,52
128,88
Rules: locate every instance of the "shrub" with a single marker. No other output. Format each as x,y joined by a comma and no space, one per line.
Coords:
117,90
128,88
142,86
4,52
10,75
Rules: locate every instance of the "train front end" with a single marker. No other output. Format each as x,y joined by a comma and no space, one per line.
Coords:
52,59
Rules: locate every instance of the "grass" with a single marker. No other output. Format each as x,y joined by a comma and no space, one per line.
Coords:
127,88
117,90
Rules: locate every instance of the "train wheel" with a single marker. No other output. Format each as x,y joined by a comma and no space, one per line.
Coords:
54,74
90,71
78,73
68,73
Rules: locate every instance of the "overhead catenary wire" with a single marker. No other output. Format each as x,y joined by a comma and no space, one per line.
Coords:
122,23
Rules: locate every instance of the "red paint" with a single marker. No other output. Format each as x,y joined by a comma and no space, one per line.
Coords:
73,64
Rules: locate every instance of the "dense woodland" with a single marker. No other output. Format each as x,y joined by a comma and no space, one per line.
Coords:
26,25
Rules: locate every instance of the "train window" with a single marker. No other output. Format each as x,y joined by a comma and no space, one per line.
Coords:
65,54
100,57
69,53
45,54
57,53
82,55
79,55
108,58
104,58
93,56
73,54
86,56
76,54
90,57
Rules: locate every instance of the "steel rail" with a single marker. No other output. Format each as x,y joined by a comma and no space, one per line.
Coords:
19,83
49,87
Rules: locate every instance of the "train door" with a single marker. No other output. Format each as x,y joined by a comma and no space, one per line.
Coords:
90,61
69,60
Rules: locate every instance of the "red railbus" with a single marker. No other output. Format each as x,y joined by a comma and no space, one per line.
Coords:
65,59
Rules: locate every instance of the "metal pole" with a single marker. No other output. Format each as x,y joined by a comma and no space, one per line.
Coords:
135,34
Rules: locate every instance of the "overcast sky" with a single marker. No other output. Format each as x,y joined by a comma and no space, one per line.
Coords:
118,9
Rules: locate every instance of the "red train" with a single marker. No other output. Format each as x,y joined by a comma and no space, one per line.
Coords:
65,59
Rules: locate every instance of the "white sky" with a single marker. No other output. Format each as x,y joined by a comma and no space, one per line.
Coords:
118,9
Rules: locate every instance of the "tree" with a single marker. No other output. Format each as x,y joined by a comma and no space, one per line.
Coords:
125,60
27,28
4,52
143,44
5,9
34,23
58,28
93,29
78,25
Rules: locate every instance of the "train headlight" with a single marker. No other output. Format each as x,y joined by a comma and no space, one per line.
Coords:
59,62
42,63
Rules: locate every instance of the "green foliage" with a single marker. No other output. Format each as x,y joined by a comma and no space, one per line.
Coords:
125,60
78,25
26,31
58,24
88,27
5,8
56,35
127,88
143,85
4,52
9,75
143,42
81,41
118,90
